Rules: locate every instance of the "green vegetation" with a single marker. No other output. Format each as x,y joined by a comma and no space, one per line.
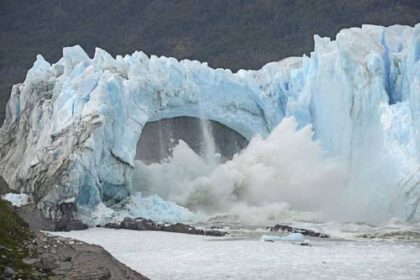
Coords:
14,232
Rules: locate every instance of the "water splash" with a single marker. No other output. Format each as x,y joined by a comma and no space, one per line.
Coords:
286,169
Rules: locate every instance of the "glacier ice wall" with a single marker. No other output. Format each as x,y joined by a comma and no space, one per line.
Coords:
72,127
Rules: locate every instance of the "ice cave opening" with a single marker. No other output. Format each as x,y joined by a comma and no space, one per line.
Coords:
207,138
174,154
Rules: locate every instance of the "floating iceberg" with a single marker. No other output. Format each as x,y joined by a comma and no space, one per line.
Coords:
72,127
293,237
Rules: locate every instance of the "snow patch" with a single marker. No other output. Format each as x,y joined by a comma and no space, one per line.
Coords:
17,199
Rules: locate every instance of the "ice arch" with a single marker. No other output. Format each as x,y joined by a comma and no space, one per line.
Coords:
86,116
72,127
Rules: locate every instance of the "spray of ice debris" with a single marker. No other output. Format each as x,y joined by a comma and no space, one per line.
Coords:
286,168
150,207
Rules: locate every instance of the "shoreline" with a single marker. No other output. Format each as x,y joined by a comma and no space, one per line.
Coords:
165,255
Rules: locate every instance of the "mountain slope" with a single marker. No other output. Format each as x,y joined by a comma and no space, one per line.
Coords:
230,34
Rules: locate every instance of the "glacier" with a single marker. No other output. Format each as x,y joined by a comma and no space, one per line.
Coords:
72,127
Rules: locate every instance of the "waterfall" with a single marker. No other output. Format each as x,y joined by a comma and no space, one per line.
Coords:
208,144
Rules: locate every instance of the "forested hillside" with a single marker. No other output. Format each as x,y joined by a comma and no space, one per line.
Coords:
226,33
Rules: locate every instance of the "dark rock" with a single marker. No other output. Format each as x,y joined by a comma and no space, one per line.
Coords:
35,218
146,224
91,271
307,232
68,225
63,268
60,226
4,187
183,228
67,210
398,235
78,260
214,233
30,261
93,262
128,223
66,253
216,227
49,262
135,224
66,221
41,256
8,273
112,225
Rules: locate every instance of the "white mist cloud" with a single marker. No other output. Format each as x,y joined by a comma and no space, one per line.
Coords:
286,169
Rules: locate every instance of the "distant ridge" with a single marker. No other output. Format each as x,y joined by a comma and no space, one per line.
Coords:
230,34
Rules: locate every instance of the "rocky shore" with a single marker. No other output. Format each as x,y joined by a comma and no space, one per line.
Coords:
64,258
66,222
27,253
146,224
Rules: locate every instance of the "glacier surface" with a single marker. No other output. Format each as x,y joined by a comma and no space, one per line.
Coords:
72,127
